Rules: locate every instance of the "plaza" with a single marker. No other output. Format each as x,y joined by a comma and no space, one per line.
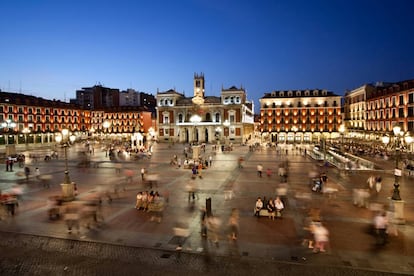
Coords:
259,238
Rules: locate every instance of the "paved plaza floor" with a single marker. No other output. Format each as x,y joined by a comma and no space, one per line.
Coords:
260,240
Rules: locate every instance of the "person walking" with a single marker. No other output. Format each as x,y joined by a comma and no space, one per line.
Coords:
259,170
27,173
380,225
321,237
378,184
37,173
142,174
234,224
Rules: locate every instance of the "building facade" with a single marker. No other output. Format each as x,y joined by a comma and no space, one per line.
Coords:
29,119
97,97
389,105
355,111
300,116
205,119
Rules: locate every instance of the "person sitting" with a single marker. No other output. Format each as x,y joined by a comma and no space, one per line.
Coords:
271,209
279,207
258,207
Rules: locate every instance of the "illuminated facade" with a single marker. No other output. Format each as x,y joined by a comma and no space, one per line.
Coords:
388,105
29,119
355,111
36,119
204,119
299,116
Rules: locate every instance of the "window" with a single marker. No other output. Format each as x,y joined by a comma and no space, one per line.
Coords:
401,112
166,120
411,111
411,98
208,117
10,109
217,117
401,99
180,118
232,118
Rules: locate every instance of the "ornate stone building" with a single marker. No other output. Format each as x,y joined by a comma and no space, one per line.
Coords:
205,119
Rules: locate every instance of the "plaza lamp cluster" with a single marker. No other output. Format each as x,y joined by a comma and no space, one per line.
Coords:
401,140
64,138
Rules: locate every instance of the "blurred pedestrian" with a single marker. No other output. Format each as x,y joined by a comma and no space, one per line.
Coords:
259,170
234,224
380,227
72,216
269,172
27,172
203,221
37,174
142,174
371,182
213,225
321,237
378,183
182,232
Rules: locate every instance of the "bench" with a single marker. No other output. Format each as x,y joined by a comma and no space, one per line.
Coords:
264,213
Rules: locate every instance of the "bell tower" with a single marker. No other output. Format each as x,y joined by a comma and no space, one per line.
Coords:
198,89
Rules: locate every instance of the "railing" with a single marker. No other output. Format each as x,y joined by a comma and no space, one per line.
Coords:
343,161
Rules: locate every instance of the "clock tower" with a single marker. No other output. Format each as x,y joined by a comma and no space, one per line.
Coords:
198,89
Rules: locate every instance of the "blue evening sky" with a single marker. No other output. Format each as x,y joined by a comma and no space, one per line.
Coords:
51,48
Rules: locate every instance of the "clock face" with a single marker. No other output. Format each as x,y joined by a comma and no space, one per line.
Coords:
198,100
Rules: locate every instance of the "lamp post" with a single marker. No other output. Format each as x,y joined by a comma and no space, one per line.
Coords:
400,140
226,124
65,138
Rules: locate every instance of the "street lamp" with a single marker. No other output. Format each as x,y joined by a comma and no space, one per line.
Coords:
226,123
400,138
67,185
8,124
195,119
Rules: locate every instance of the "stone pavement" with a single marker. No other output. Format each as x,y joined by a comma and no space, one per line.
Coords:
260,240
